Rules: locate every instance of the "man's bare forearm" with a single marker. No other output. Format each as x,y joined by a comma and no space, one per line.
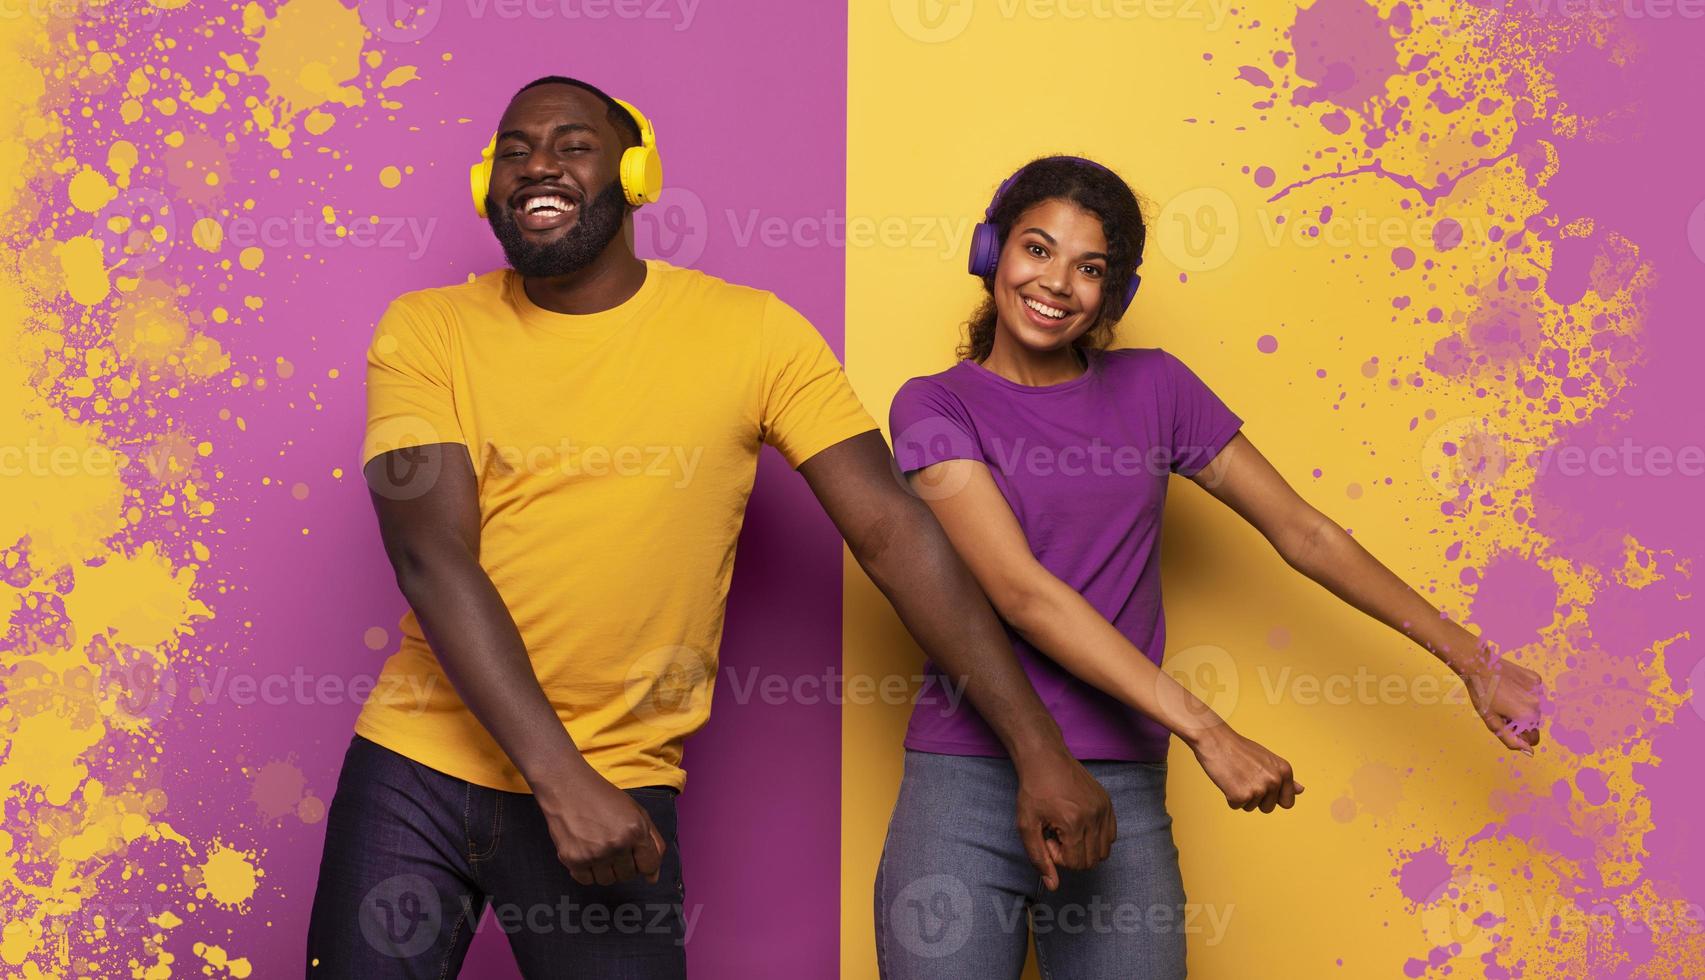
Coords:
901,546
476,641
910,559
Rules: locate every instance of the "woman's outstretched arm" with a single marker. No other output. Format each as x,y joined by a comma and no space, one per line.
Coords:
1504,693
1056,620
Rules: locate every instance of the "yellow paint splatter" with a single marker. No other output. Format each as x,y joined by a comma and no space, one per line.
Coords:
85,274
68,500
208,233
229,876
47,747
1640,568
390,177
121,159
140,599
90,191
18,940
97,589
250,258
217,958
307,51
150,330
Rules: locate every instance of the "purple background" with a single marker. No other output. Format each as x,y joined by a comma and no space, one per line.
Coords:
760,819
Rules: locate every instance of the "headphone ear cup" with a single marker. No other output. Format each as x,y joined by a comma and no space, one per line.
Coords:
1131,289
985,250
479,182
641,175
479,176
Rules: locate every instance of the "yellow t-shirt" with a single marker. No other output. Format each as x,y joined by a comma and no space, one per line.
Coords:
615,453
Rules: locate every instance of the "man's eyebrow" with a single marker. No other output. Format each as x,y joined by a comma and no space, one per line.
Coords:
1050,238
555,132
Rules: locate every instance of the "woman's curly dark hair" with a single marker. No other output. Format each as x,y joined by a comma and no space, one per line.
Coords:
1101,193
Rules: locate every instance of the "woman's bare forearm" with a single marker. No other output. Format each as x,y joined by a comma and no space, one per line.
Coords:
1061,623
1330,556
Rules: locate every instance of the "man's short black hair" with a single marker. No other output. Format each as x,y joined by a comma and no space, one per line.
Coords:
619,117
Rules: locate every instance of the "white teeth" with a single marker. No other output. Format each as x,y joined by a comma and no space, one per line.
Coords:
1047,311
546,202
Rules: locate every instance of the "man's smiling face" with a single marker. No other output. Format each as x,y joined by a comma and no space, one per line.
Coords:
555,202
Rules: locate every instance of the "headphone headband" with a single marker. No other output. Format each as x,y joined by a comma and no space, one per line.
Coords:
647,136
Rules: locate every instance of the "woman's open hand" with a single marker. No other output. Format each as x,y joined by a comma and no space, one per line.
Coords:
1507,697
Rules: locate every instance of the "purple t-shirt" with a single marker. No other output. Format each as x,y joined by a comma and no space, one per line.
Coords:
1084,466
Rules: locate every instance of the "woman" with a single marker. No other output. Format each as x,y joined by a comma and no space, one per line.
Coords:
1046,457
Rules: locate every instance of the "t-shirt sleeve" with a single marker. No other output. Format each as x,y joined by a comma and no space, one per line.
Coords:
929,426
808,403
410,401
1202,424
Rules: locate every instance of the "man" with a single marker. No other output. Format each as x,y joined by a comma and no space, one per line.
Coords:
560,456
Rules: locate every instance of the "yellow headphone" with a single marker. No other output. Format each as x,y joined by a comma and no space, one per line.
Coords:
641,168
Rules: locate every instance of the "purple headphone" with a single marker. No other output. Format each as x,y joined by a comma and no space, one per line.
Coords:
986,240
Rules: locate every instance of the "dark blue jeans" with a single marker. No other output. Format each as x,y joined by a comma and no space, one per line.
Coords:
413,857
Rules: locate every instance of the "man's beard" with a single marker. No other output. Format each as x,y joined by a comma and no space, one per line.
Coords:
600,221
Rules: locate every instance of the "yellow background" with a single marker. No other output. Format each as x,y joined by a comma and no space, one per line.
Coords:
933,126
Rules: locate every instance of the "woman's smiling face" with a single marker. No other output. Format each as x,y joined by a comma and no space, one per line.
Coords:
1049,281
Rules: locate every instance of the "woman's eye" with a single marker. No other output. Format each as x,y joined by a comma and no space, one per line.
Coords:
1037,250
1092,272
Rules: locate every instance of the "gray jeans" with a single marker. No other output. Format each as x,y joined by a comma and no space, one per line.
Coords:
956,898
